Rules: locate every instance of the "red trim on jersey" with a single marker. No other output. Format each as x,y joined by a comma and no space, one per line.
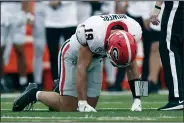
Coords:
63,66
120,23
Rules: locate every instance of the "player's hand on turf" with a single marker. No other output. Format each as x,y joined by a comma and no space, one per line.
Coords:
154,16
83,106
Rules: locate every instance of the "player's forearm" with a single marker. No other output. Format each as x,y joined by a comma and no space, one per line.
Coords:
132,71
81,83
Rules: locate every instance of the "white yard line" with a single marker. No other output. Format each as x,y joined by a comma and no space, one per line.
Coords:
103,93
44,118
7,103
45,109
37,109
90,117
128,102
126,118
122,108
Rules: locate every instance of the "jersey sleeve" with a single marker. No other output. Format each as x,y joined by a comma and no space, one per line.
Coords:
80,34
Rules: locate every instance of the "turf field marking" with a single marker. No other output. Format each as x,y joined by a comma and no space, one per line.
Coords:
37,109
6,103
125,118
129,118
103,93
45,109
122,108
27,117
126,102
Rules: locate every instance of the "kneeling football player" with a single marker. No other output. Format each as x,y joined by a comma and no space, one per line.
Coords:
80,64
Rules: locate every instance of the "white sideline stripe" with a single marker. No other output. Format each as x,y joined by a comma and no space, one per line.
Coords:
103,93
90,117
59,118
121,108
37,109
171,53
46,109
100,102
125,118
126,102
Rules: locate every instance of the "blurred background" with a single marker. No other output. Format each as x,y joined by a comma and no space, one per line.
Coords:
29,48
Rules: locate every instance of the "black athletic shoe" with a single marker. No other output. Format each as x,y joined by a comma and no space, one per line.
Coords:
26,98
179,105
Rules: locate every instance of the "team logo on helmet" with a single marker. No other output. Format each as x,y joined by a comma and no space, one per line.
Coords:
115,53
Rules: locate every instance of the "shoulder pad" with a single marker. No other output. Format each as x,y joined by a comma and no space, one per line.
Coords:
80,34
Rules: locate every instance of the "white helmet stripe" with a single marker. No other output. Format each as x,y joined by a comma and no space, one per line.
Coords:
128,46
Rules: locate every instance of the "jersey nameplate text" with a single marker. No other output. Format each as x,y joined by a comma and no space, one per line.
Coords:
113,17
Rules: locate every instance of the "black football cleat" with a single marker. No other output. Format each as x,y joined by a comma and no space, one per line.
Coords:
26,98
179,105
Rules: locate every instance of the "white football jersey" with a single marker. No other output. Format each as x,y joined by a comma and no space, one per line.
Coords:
96,29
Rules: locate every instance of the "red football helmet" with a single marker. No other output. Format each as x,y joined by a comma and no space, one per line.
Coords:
121,48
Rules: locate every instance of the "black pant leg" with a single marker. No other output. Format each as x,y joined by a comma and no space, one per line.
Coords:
170,52
177,40
52,37
146,50
119,78
68,32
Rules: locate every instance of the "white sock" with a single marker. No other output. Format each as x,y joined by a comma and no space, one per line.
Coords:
37,93
22,80
2,81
